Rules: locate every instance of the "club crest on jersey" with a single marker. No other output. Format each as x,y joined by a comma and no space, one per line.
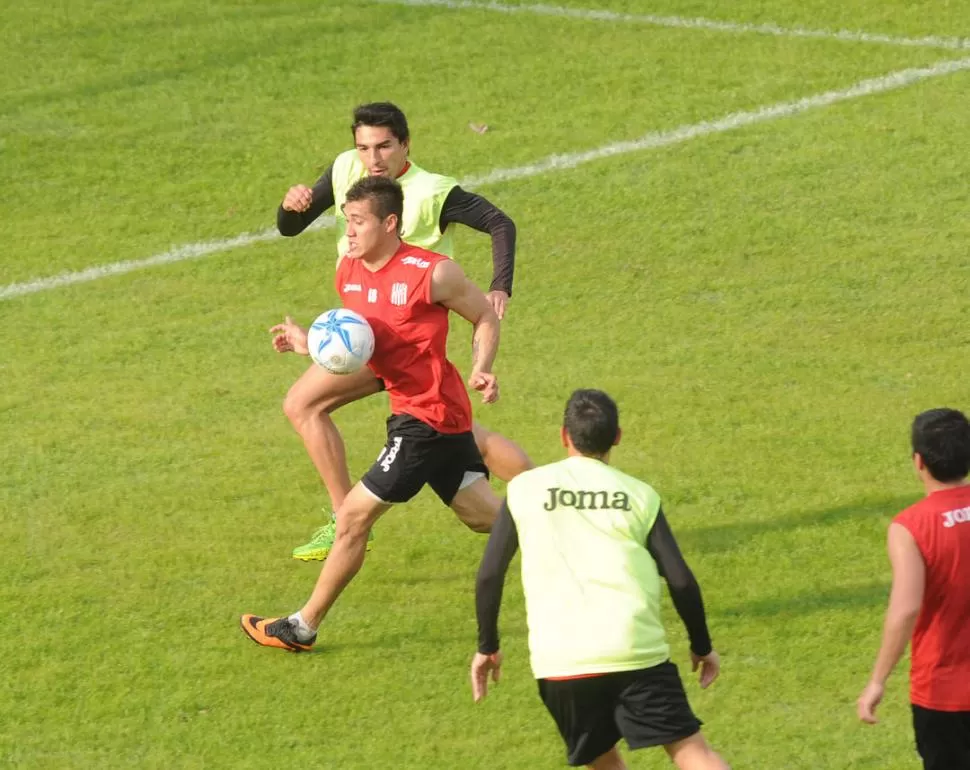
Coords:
417,262
399,294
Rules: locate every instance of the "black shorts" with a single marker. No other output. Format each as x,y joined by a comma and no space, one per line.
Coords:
942,738
416,454
647,707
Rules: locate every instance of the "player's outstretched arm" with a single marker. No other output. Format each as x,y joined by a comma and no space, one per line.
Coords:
686,595
452,288
301,205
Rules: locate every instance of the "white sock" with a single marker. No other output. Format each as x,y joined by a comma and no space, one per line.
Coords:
303,632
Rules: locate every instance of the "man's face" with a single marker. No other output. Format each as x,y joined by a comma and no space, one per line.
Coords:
366,232
380,151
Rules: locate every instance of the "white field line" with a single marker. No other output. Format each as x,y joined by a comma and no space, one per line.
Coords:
682,22
653,140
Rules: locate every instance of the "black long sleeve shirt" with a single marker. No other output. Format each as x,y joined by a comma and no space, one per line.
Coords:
503,542
460,207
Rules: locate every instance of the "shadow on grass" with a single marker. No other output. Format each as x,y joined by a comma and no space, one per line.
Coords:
723,537
869,595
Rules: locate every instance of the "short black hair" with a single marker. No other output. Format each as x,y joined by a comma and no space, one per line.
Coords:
382,114
942,439
385,195
592,421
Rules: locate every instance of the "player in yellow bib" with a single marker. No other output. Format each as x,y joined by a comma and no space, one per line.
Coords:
595,544
432,204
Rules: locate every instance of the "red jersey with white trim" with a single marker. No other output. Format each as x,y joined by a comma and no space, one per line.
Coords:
410,336
940,674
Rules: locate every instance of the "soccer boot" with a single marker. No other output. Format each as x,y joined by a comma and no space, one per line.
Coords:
322,541
275,632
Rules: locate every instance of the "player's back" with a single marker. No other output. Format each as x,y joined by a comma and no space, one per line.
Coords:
410,336
592,589
940,526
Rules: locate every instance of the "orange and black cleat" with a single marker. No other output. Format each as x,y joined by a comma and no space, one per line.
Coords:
275,632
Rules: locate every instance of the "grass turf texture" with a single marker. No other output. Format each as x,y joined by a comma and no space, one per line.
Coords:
769,306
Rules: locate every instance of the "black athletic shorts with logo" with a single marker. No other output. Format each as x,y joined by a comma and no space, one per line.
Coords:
942,738
647,707
416,454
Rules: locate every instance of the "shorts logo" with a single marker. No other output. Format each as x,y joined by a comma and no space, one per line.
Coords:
399,294
417,262
959,516
348,287
372,295
391,455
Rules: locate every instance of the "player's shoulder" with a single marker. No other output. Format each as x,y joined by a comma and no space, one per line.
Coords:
637,493
535,478
346,157
419,258
428,181
347,166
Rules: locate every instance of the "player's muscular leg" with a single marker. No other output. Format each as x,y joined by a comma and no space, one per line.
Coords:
477,506
355,517
308,405
694,753
505,459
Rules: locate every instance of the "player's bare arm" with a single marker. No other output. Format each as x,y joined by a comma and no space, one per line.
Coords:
905,599
450,287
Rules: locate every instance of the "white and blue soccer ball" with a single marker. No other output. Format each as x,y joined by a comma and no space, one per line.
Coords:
341,341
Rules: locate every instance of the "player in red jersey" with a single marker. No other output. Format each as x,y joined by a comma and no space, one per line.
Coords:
405,293
929,547
433,205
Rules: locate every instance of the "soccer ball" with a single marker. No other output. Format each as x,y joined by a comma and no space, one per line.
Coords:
341,341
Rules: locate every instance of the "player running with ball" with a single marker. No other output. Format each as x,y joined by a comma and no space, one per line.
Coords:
406,294
432,203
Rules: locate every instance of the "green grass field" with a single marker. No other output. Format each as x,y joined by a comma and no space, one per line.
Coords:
769,305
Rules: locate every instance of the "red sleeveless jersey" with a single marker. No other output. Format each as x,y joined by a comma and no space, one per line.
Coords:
940,673
410,336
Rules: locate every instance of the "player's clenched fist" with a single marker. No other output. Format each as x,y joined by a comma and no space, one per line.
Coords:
486,384
298,198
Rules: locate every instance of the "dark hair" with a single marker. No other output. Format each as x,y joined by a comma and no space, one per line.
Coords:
382,114
385,196
592,421
942,439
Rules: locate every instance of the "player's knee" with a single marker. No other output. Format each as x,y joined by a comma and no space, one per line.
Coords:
521,462
504,458
299,411
480,525
479,519
294,408
352,528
